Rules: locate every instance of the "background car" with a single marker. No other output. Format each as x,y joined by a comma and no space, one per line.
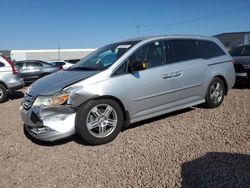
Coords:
61,64
241,56
32,70
9,78
72,61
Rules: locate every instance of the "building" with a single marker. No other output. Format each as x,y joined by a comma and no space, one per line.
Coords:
233,39
5,53
49,55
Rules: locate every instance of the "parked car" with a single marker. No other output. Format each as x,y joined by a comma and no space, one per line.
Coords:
72,61
241,55
9,78
61,64
149,77
31,70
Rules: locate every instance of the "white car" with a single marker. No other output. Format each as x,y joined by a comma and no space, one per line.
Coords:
64,64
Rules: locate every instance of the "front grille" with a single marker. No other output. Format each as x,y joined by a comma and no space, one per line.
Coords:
239,68
247,67
28,101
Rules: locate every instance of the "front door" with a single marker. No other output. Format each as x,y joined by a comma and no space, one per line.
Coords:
149,90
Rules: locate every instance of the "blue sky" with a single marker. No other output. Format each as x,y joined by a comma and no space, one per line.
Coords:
43,24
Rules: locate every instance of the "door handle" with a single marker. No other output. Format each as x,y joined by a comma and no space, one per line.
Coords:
178,74
166,76
172,75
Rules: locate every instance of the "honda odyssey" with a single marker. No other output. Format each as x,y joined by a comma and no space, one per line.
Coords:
126,82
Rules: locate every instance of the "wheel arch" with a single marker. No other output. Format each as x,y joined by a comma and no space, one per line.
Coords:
4,84
126,116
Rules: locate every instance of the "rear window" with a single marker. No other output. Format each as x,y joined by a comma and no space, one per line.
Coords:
183,50
210,49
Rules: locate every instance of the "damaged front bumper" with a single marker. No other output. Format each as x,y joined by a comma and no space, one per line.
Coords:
49,123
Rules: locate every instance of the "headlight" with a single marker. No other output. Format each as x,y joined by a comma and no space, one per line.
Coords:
51,100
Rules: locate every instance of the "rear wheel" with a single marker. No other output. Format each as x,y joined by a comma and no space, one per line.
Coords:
215,93
3,93
99,121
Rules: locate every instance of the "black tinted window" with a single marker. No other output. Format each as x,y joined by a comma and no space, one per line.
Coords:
20,65
151,53
210,49
182,50
1,64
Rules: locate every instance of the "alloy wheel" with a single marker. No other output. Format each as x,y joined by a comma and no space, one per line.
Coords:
216,92
101,120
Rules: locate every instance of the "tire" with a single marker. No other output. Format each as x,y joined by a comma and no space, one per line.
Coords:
3,93
215,93
99,121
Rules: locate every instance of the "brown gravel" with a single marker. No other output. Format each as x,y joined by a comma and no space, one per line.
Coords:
195,147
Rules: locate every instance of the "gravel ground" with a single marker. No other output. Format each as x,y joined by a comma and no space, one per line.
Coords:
195,147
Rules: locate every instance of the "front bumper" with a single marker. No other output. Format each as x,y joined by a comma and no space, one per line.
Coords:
49,123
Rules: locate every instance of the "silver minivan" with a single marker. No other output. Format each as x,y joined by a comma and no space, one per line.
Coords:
126,82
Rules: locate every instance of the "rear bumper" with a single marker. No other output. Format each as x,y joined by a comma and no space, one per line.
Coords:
242,76
15,83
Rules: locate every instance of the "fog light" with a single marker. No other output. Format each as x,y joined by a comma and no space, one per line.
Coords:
40,130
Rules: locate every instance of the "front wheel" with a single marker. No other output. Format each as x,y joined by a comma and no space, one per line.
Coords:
99,121
215,93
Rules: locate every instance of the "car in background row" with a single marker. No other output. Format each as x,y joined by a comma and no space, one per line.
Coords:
9,78
241,55
62,64
73,61
32,70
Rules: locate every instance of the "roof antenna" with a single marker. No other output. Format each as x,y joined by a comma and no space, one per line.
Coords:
137,30
59,51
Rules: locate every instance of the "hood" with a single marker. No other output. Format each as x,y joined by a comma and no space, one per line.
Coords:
57,81
242,60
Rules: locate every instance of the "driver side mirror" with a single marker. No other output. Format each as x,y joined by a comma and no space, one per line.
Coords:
137,66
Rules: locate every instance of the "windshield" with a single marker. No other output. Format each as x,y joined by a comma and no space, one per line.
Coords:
241,51
104,57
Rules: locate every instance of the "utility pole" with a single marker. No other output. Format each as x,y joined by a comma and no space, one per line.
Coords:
59,51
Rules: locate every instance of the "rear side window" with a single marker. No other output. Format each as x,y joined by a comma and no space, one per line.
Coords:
1,64
33,65
182,50
20,65
210,49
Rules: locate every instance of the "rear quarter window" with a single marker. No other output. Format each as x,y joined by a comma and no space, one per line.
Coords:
210,49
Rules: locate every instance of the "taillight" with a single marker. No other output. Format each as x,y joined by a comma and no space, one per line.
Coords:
233,61
14,69
61,67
